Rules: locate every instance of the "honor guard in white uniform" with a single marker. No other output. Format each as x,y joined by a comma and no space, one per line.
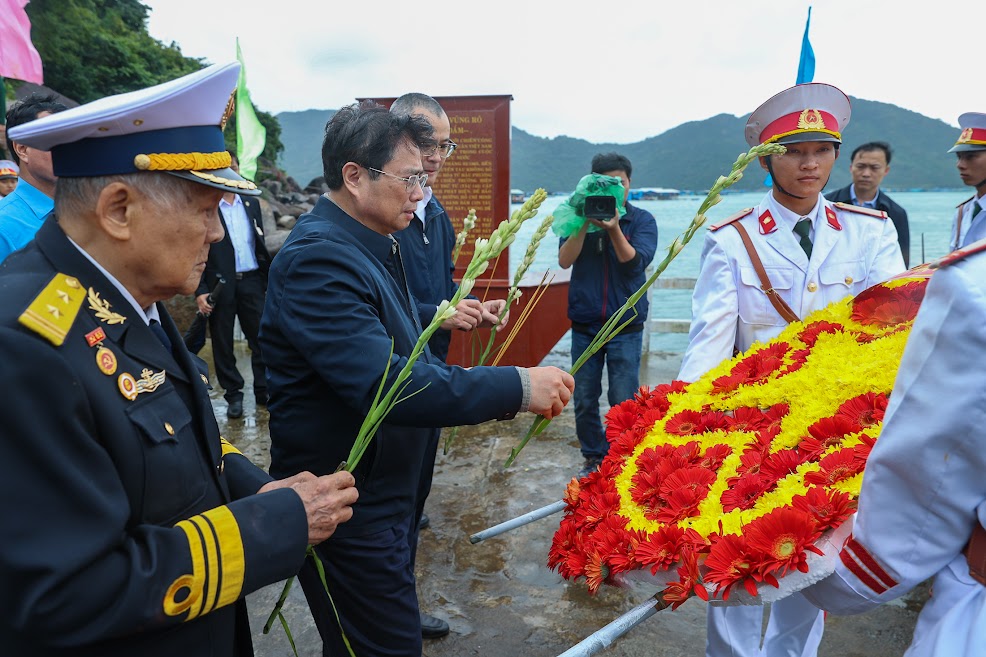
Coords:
767,266
969,224
923,501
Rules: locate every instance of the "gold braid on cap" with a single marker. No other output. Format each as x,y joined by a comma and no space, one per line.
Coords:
182,161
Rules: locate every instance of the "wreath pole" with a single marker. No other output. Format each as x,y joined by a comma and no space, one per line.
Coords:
604,637
519,521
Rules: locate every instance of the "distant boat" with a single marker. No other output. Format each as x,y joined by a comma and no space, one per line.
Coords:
517,196
653,194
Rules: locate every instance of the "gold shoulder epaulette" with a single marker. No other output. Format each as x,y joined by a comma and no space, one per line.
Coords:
53,312
869,212
959,254
965,201
736,217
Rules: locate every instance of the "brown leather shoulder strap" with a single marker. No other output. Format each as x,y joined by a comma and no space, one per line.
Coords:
776,301
975,554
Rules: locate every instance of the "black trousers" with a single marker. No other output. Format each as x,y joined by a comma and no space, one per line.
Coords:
247,303
371,579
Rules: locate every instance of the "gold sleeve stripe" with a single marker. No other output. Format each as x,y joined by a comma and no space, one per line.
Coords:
228,447
216,550
53,311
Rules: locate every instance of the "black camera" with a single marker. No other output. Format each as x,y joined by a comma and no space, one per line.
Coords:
600,207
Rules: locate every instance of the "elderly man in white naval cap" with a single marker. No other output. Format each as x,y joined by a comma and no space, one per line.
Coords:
774,264
969,224
133,528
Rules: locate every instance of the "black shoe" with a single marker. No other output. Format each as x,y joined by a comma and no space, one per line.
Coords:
261,399
590,466
235,409
433,628
425,521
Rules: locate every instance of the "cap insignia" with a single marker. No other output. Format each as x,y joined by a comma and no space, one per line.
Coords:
230,107
965,137
811,119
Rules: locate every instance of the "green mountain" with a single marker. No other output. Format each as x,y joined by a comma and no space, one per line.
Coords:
687,157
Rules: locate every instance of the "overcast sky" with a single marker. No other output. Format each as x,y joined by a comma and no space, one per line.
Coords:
601,71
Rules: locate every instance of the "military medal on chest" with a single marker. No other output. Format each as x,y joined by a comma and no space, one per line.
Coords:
105,359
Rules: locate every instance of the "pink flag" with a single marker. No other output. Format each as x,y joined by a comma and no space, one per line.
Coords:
18,58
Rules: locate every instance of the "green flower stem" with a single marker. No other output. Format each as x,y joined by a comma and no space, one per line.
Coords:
612,327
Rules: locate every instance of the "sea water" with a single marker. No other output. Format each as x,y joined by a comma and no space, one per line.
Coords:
929,217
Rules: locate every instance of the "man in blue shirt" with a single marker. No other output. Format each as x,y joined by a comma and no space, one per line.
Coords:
609,267
23,210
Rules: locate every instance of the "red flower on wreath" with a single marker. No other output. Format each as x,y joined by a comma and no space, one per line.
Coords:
885,307
781,539
729,563
780,464
811,332
662,548
685,423
755,368
828,508
743,492
835,467
678,592
865,410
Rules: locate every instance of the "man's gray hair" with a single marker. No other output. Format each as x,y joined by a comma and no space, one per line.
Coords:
79,195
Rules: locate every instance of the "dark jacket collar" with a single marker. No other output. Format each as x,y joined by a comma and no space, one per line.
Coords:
381,246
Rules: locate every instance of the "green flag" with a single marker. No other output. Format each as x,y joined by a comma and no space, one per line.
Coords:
251,136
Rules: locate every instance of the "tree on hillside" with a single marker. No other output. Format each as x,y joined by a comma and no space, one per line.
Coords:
96,48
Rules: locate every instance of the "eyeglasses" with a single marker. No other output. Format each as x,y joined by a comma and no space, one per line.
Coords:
445,150
409,182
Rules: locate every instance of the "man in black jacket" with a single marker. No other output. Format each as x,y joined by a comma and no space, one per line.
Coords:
870,164
242,260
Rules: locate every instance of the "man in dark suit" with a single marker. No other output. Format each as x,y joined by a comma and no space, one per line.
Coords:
870,165
132,528
242,260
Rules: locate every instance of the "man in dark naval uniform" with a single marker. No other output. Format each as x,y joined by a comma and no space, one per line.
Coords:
132,527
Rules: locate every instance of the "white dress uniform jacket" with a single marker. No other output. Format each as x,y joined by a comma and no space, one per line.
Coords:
965,230
853,248
924,489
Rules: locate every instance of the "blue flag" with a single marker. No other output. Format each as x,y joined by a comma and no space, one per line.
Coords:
806,65
806,70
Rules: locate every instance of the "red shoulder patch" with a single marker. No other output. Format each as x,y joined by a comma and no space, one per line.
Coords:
832,218
959,254
736,217
869,212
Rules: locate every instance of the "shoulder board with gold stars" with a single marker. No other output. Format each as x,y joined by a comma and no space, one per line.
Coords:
959,254
736,217
869,212
53,311
965,201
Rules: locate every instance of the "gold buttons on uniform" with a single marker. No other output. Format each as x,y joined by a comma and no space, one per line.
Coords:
848,280
170,429
812,286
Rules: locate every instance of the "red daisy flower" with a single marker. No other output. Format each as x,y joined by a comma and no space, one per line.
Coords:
829,508
835,427
780,464
751,461
688,584
661,549
728,564
681,503
714,456
565,540
572,493
885,313
780,540
743,492
798,359
865,410
862,450
776,414
620,418
596,507
596,571
713,421
834,468
746,419
809,335
685,423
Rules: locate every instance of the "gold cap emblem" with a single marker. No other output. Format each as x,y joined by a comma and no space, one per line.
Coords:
811,119
965,137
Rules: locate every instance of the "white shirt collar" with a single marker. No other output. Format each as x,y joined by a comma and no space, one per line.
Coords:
419,212
788,217
146,315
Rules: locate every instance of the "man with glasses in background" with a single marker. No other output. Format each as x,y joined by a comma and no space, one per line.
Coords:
338,310
426,247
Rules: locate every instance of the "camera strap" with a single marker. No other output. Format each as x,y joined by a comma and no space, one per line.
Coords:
775,299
